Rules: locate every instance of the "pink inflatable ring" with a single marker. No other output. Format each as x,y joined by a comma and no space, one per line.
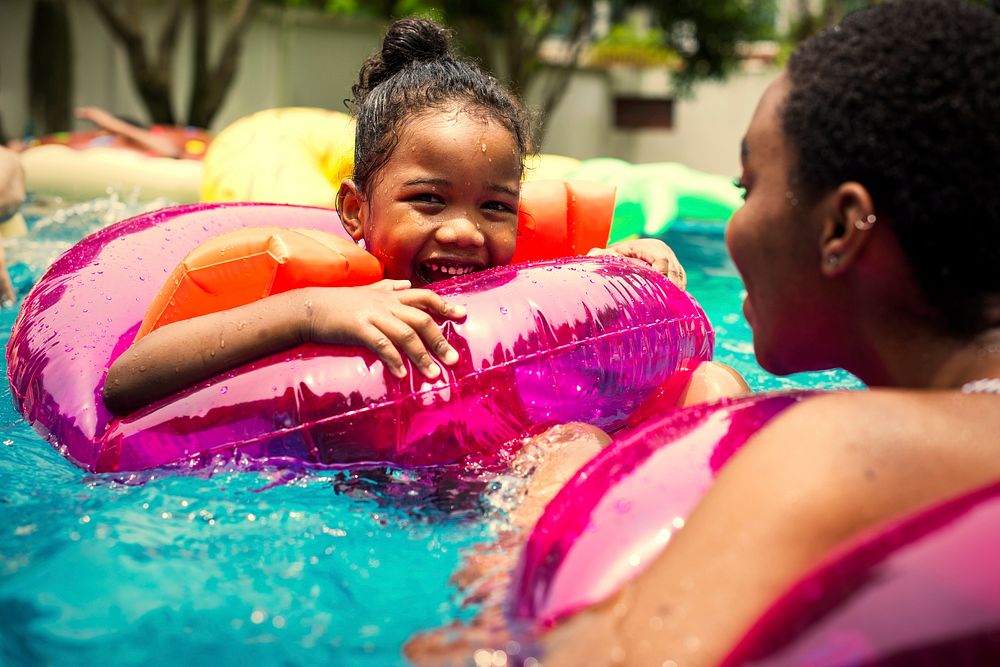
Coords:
578,339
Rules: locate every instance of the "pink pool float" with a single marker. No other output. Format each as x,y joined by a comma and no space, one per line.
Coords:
922,590
546,342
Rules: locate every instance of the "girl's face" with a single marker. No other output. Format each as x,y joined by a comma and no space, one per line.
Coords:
774,242
445,203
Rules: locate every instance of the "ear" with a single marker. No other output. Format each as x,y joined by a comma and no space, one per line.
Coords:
351,209
847,229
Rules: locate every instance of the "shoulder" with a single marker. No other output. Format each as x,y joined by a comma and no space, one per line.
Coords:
868,456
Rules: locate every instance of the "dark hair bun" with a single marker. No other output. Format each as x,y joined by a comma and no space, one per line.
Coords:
407,41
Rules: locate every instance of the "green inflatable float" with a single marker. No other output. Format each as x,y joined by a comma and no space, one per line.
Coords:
651,197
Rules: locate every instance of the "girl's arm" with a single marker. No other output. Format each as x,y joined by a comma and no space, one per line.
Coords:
387,317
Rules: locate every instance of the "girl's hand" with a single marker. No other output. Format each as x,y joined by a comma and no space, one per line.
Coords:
653,252
389,318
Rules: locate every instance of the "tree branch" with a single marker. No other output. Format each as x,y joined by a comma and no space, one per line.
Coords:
123,30
168,36
224,72
151,82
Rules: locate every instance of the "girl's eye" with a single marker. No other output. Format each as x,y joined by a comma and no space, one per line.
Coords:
427,198
499,206
738,182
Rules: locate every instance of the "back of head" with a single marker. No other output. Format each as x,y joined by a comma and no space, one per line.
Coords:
904,98
417,71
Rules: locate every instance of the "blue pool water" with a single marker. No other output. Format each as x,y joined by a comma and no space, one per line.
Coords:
231,567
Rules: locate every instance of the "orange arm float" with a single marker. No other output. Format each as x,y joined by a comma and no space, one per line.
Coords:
563,218
243,266
556,219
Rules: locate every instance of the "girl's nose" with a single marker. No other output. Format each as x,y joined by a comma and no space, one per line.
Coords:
461,231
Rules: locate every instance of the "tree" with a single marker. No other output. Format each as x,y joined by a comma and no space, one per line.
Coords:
50,69
510,38
707,33
153,76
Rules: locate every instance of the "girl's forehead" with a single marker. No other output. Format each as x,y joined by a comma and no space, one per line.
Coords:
452,121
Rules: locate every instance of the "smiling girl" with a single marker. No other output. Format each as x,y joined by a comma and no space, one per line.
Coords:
439,155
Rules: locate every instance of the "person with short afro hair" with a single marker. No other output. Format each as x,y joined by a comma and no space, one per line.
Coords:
879,100
869,240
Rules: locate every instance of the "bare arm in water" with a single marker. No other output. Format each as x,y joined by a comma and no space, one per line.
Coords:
162,146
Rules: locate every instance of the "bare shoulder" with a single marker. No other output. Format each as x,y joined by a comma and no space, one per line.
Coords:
817,475
877,454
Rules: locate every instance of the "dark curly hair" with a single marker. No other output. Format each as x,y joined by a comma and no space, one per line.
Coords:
904,98
417,70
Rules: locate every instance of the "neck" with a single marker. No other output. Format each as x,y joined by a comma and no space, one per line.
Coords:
913,354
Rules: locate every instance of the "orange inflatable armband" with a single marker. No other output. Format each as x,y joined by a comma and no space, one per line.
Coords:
563,218
246,265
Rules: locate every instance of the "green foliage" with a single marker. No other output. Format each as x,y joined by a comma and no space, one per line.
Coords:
624,45
695,38
706,32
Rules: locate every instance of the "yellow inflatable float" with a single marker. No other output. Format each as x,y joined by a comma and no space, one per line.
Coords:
281,156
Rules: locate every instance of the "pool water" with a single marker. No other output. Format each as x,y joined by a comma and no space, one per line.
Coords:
271,567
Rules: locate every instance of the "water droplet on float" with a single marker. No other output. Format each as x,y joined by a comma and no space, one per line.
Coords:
223,389
503,310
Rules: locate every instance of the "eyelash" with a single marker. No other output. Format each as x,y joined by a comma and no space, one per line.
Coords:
427,197
432,198
499,206
738,182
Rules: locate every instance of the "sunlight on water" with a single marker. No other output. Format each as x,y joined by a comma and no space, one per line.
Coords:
269,567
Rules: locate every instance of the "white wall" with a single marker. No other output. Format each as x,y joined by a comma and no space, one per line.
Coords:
708,125
301,58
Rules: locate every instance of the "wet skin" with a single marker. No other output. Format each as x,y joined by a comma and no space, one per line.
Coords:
445,203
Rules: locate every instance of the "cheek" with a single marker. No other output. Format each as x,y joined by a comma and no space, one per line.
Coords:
736,236
502,245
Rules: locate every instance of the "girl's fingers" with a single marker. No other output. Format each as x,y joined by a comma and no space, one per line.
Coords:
378,342
408,341
433,303
391,285
430,334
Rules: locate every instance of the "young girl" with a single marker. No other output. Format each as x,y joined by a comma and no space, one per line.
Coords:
438,163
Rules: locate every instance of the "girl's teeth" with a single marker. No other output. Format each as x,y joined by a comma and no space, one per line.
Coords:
450,270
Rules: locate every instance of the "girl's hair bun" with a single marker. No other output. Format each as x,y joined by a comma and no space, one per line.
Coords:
407,41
